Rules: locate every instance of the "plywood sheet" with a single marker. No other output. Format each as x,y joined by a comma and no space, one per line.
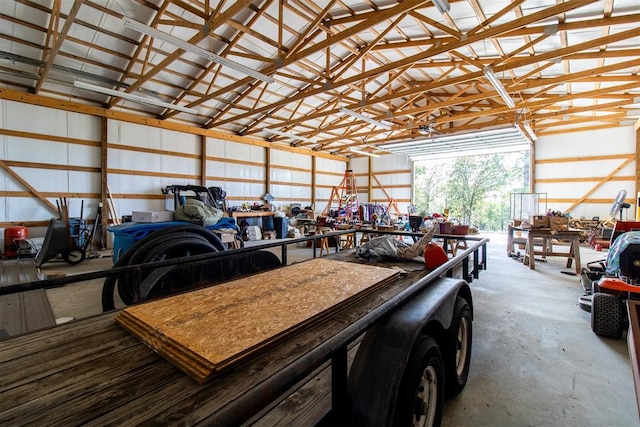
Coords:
205,331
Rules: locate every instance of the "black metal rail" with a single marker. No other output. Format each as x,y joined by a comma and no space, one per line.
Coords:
478,263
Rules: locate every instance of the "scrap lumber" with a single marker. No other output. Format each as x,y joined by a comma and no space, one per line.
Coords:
206,331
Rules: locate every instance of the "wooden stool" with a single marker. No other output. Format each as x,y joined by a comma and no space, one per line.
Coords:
346,242
324,242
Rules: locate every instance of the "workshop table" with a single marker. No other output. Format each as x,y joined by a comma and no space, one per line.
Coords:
544,237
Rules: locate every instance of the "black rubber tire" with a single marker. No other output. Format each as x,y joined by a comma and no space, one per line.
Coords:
74,255
411,402
584,302
167,247
109,285
607,315
457,349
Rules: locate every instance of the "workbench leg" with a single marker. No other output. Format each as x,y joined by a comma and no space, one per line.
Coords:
531,252
575,248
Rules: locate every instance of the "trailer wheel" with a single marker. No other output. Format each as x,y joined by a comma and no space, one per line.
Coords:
607,315
457,349
421,394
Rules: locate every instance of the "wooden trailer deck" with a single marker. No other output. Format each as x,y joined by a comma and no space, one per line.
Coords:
93,372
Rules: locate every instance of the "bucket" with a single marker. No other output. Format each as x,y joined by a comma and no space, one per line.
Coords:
10,235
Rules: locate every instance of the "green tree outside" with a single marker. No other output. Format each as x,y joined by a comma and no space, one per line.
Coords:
476,190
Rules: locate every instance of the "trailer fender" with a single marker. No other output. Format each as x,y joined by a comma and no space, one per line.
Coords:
385,350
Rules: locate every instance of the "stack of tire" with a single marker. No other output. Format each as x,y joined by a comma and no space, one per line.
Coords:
167,243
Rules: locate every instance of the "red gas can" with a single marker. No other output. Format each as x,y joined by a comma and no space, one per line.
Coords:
11,234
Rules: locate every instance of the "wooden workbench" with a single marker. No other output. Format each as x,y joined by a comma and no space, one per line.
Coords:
544,237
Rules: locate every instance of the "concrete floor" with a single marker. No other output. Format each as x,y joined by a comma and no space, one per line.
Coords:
535,360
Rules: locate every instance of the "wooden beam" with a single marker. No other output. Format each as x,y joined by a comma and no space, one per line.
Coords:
60,38
28,186
601,183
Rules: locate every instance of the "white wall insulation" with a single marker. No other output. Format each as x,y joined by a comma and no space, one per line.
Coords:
574,179
58,153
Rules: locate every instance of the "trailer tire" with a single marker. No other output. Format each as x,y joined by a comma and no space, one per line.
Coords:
607,315
457,349
421,394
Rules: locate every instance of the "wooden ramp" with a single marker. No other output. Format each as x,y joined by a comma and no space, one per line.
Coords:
205,331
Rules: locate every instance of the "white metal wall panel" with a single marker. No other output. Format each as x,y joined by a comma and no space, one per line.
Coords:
235,150
47,122
583,144
31,118
134,135
180,142
288,183
615,141
83,126
243,183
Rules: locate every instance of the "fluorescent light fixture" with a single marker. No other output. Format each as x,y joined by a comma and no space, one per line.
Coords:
185,45
633,113
497,140
366,153
527,127
490,75
290,135
365,118
442,5
134,98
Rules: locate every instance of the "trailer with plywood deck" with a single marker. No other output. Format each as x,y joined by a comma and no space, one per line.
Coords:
382,360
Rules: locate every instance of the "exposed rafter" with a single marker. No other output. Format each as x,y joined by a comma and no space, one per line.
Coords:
568,65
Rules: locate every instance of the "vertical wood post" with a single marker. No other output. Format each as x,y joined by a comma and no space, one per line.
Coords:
203,160
313,181
267,170
104,173
370,181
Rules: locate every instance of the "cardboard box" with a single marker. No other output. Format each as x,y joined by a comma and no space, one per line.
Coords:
151,216
559,223
541,221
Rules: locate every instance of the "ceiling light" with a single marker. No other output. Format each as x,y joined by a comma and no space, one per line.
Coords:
633,113
490,75
527,127
290,135
442,5
134,98
366,153
185,45
365,118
